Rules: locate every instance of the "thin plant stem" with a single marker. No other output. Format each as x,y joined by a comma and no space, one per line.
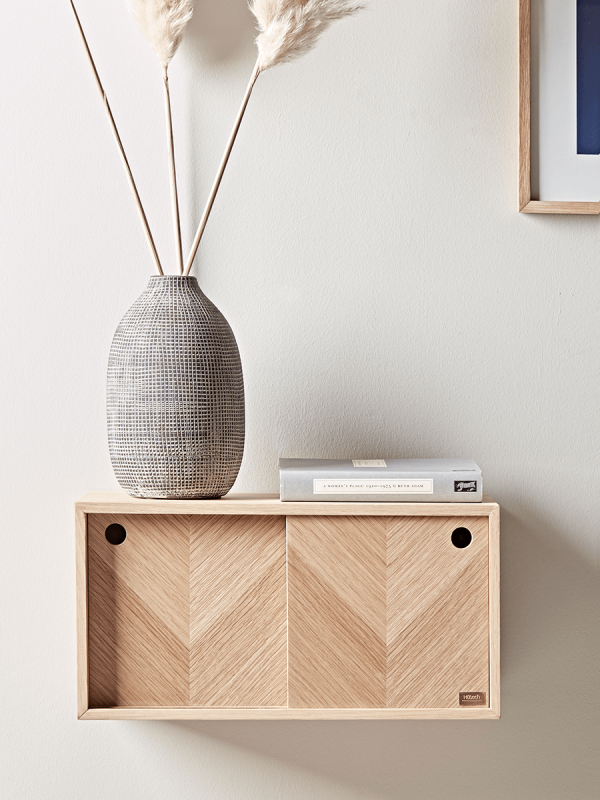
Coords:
113,125
173,175
224,160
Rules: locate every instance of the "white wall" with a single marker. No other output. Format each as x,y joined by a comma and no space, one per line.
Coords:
387,300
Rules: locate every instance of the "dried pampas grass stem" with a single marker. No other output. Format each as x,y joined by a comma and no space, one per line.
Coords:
288,30
162,23
115,131
173,176
223,164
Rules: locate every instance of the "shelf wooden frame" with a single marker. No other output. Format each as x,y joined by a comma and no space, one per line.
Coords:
255,506
526,204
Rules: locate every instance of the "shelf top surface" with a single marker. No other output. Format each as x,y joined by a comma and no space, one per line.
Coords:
270,504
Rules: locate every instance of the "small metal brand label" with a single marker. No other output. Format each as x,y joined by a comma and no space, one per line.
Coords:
472,699
465,486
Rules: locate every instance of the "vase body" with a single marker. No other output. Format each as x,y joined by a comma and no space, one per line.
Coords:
175,395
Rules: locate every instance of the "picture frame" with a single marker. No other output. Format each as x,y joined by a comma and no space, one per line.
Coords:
527,203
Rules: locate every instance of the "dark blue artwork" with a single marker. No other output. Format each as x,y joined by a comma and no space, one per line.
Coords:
588,76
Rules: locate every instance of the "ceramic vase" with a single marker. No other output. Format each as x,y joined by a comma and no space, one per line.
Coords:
175,395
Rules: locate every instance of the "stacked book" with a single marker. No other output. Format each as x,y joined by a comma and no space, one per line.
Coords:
427,480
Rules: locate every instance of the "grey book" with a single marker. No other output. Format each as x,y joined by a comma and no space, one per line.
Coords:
390,480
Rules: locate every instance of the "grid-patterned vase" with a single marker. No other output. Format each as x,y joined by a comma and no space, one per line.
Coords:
175,395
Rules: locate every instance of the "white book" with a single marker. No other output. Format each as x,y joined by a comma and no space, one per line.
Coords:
389,480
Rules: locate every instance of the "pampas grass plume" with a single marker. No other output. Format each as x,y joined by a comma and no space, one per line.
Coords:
290,28
162,23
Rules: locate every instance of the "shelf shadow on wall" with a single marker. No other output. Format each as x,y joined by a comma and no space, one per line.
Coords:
544,745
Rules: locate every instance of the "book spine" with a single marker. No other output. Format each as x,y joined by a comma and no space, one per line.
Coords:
344,486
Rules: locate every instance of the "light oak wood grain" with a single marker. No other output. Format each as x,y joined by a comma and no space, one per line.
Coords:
494,604
138,600
387,612
270,504
189,713
187,618
437,613
81,577
336,591
154,561
560,207
524,103
238,631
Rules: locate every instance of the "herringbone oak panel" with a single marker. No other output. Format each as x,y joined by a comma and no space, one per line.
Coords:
139,611
238,611
337,617
193,610
438,612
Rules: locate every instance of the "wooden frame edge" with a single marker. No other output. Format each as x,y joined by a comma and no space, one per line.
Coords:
494,611
271,505
489,508
81,581
524,103
558,207
257,714
526,204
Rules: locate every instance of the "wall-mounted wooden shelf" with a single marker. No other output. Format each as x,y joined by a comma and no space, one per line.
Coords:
249,608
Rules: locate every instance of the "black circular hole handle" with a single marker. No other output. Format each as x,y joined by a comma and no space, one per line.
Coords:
461,537
115,533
